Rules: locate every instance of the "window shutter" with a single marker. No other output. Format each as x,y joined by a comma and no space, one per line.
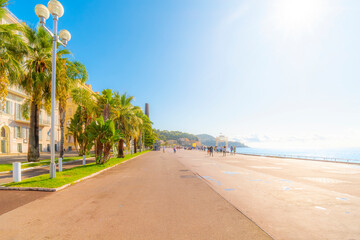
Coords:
16,111
15,132
11,110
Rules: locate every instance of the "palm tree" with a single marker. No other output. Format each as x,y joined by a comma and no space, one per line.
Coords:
75,129
36,82
104,135
145,125
12,50
87,103
68,74
84,115
107,101
126,120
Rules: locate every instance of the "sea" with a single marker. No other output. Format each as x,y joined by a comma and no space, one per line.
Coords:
351,155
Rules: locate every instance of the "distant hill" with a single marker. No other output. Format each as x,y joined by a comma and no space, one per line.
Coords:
205,139
209,140
175,135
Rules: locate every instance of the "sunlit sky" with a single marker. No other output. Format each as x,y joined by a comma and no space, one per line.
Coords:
271,73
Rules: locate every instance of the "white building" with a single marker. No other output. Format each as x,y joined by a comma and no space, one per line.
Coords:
14,129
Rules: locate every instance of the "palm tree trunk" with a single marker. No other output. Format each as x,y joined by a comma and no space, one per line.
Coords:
62,112
99,157
121,149
135,145
99,151
107,148
106,113
76,144
33,146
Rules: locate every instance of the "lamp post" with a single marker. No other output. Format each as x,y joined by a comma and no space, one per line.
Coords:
56,10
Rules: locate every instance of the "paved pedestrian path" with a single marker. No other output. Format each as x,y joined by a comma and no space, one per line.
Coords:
151,197
288,198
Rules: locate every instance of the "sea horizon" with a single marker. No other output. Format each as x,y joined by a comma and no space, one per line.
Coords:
341,154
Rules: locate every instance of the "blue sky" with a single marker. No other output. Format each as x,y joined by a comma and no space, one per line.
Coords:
272,73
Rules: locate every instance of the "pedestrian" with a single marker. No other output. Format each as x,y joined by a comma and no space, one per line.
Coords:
234,150
211,151
224,151
163,149
231,150
174,149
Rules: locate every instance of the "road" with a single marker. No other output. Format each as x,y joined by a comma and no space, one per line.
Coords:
153,196
288,198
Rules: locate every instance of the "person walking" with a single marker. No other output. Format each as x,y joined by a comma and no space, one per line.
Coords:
231,150
224,151
163,149
174,149
211,151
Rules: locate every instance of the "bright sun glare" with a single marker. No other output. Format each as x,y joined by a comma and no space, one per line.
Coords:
297,16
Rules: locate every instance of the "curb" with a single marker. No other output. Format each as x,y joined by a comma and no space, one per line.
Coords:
66,185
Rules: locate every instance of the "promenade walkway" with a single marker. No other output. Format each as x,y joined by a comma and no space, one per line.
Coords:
288,198
151,197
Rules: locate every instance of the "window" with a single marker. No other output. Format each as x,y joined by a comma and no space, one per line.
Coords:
17,132
40,134
19,147
17,111
3,146
7,108
40,148
48,134
25,133
3,132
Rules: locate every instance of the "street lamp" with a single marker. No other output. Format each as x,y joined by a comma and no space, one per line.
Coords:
56,10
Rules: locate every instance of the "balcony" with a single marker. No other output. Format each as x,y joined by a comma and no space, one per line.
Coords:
44,123
20,119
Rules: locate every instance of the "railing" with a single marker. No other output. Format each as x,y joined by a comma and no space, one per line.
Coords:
44,122
330,159
21,118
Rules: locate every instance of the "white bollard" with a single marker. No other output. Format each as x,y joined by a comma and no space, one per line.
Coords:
17,172
60,164
84,160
